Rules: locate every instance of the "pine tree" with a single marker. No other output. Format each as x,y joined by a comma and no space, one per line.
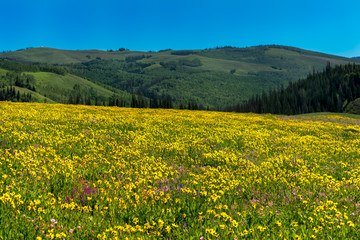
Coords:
134,102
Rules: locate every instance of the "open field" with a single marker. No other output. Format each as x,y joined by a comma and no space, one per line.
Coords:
85,172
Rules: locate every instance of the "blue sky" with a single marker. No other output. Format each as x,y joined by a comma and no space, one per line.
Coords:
322,25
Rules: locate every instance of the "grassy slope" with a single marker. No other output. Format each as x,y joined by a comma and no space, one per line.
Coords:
57,87
36,97
289,61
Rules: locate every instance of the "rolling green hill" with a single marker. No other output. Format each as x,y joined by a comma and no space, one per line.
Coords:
213,78
36,97
57,88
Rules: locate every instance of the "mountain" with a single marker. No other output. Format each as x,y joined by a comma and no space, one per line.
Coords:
213,78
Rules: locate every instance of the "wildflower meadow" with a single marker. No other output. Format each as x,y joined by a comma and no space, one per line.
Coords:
86,172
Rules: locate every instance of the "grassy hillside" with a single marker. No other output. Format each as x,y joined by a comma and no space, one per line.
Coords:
58,88
36,97
213,77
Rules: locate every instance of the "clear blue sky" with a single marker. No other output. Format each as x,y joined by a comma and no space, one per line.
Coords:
322,25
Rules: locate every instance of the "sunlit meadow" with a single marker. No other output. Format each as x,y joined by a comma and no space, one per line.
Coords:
85,172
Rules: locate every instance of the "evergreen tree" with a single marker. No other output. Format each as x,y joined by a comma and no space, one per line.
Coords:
134,102
329,90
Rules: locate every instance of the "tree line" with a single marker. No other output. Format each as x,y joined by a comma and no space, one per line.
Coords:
10,94
34,67
327,91
137,101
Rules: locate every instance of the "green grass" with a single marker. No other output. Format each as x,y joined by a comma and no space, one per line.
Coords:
36,97
3,71
57,87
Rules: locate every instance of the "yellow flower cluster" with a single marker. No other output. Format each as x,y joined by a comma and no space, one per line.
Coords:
85,172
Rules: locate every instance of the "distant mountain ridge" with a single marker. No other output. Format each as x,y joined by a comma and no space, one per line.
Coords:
213,78
59,56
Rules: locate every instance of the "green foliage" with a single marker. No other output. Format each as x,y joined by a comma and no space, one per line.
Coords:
134,58
353,107
191,63
16,94
183,83
183,52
